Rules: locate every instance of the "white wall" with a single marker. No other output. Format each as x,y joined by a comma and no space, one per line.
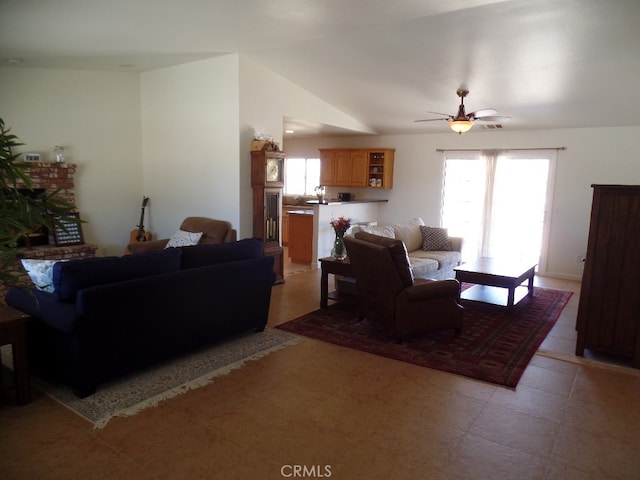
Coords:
189,127
265,98
594,155
179,135
191,143
96,117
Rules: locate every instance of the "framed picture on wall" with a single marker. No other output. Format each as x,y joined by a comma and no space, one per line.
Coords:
68,232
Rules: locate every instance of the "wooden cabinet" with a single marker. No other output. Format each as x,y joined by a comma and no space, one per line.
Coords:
352,167
380,168
286,209
609,310
327,167
300,237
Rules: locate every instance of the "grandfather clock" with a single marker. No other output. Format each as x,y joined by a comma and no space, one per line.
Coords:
267,179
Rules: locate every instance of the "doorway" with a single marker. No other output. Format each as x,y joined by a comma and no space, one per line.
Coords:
498,202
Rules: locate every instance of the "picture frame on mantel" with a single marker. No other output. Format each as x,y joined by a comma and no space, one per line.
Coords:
68,232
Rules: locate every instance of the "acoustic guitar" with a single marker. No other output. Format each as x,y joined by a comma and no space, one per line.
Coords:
139,235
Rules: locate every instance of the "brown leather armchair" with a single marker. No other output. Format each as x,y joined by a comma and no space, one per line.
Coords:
390,296
213,231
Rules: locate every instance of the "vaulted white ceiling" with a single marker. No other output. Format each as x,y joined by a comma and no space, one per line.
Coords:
544,63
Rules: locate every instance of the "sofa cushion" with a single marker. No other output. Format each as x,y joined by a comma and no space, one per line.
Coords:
74,275
444,259
409,232
209,254
423,267
435,238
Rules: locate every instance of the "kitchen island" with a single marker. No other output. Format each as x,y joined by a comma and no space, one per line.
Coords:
359,211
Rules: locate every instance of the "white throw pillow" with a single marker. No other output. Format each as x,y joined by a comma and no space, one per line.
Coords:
409,232
383,231
184,239
41,273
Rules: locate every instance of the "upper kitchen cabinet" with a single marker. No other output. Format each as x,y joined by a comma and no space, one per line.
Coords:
351,167
380,168
327,167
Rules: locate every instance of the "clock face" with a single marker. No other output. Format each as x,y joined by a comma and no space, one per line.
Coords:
273,170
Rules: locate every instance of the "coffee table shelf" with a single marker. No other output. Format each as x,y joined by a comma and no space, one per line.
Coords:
494,295
500,282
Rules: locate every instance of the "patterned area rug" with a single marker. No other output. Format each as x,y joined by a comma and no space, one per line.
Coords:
495,346
129,395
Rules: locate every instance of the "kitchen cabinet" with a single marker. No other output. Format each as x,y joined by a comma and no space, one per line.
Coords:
609,312
301,236
353,167
285,219
327,167
380,168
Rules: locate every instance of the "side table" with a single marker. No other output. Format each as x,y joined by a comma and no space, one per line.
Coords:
13,326
337,267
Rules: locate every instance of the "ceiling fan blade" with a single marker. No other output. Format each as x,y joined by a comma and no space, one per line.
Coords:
485,112
494,118
431,120
443,114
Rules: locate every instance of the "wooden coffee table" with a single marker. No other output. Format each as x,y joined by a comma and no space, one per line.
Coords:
492,276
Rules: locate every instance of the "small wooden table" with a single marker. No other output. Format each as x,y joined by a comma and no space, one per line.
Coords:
337,267
492,276
13,325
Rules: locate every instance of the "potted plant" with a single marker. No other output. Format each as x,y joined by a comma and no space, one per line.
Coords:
18,212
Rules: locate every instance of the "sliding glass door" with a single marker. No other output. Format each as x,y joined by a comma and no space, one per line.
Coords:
498,201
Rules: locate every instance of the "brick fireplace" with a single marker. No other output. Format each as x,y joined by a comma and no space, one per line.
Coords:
51,177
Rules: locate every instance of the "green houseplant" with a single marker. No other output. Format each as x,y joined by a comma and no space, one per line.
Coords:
18,212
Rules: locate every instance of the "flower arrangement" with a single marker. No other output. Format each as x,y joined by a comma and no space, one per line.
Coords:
341,225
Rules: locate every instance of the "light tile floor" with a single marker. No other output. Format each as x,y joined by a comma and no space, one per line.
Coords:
325,411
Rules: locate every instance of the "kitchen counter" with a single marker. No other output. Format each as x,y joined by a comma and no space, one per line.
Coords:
301,212
290,207
341,202
358,211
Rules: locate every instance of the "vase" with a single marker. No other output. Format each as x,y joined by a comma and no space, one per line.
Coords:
339,252
59,154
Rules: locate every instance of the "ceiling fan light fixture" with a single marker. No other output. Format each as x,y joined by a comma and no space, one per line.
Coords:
460,126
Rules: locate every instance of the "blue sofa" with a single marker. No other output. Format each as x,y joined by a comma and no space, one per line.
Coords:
111,315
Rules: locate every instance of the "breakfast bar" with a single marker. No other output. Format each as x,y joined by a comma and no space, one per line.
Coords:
359,211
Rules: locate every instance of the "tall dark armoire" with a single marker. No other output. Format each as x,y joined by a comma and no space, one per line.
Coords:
267,180
609,309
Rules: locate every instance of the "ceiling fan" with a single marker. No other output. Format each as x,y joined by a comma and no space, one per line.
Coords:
462,122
